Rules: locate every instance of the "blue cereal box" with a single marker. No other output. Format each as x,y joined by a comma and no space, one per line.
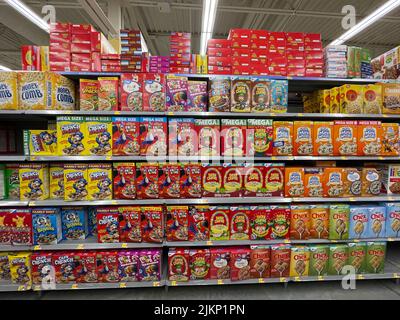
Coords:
392,220
358,226
279,96
377,220
74,223
46,225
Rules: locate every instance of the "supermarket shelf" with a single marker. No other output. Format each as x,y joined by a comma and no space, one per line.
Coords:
228,200
86,286
10,248
91,113
6,286
95,158
11,112
13,158
224,282
351,199
77,75
50,203
13,203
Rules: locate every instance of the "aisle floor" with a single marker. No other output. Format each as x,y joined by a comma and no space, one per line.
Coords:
372,289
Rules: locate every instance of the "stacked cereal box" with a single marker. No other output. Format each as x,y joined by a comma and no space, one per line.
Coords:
295,54
219,54
336,61
180,56
8,91
131,50
314,56
159,64
241,44
60,47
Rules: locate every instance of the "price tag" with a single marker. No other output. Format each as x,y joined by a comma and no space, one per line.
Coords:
108,157
396,275
170,113
343,158
390,239
32,203
68,111
37,247
381,158
320,278
352,199
260,280
21,288
124,245
74,286
297,279
209,243
356,240
173,283
32,158
117,112
272,114
114,202
384,115
286,241
122,285
360,277
300,114
334,241
219,281
36,288
289,77
156,283
282,279
274,158
80,246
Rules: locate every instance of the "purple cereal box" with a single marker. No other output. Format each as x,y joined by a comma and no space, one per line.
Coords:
128,263
177,93
197,100
376,224
150,265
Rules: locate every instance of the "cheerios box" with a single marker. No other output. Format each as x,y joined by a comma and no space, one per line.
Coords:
75,182
74,222
46,225
8,91
34,181
99,136
72,135
40,142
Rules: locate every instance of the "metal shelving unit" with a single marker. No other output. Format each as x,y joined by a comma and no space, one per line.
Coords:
47,203
7,286
13,203
88,286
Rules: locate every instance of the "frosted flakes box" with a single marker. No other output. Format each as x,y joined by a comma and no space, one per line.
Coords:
219,223
233,137
40,142
125,135
75,182
259,136
99,181
208,135
339,222
338,256
99,132
176,93
392,220
34,181
20,267
239,223
299,261
46,225
279,96
356,256
8,91
56,175
182,137
72,136
153,136
377,221
74,222
359,221
375,260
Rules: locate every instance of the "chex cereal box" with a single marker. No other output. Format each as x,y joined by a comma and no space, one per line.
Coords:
152,224
34,181
72,136
153,136
177,223
21,227
5,226
147,180
56,175
199,223
107,225
169,180
375,259
338,256
125,136
260,261
41,266
20,267
150,265
40,142
99,181
74,223
392,220
124,180
300,222
107,266
357,254
4,267
75,182
128,265
319,259
377,220
339,221
358,226
99,133
130,224
190,180
8,91
64,265
46,224
85,267
280,260
35,90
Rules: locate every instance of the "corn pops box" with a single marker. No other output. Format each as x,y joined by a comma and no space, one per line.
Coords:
56,175
72,135
99,181
99,133
392,220
34,181
40,142
20,267
125,134
75,182
8,91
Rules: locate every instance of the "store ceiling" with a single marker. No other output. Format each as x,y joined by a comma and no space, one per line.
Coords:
185,15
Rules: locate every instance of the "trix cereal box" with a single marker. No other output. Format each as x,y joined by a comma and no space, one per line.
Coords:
199,223
197,98
64,265
280,260
153,136
124,180
239,223
219,223
233,137
208,134
20,267
154,92
107,266
56,174
125,134
150,265
240,264
128,265
74,223
129,224
40,142
99,181
99,131
393,220
21,227
107,225
152,224
72,136
190,180
199,264
178,265
177,223
85,267
147,180
75,182
176,93
260,262
259,135
34,181
279,222
41,266
182,137
131,92
169,180
46,226
220,263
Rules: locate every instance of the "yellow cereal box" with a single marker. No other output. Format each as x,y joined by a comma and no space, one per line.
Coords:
35,90
325,96
351,99
71,133
75,182
63,94
99,181
40,142
334,100
56,175
299,261
34,181
20,267
8,91
44,58
372,98
99,133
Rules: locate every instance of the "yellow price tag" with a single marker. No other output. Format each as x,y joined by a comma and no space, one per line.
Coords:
74,286
320,278
33,158
21,288
173,283
334,241
289,77
209,243
108,157
170,113
343,158
356,240
32,203
274,158
385,116
80,246
360,277
36,288
219,281
297,279
272,114
352,199
124,245
396,275
117,112
390,239
286,241
260,280
282,279
37,247
381,158
68,111
156,283
114,202
300,115
122,285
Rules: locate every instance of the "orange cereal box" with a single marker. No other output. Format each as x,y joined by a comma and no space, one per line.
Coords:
323,138
303,138
283,138
333,182
390,139
369,138
294,182
300,222
345,138
88,94
313,182
108,93
351,99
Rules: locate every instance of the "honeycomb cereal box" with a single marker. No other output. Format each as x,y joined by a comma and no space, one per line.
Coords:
20,267
34,181
40,142
34,90
299,261
351,99
72,135
8,91
99,181
372,98
390,139
75,182
300,222
56,175
99,136
63,94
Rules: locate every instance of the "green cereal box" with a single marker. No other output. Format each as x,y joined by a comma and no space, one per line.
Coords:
338,255
319,258
12,181
375,258
357,253
339,221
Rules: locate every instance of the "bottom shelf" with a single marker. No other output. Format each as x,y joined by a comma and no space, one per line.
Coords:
86,286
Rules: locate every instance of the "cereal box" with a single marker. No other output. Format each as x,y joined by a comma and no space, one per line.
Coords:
371,183
152,224
356,256
390,139
208,134
300,222
130,224
108,93
220,263
88,94
333,186
199,264
392,220
338,257
20,267
72,136
323,138
150,265
5,227
46,226
34,181
40,142
303,138
351,182
92,221
85,267
153,136
21,227
239,223
64,265
345,138
177,223
294,182
375,259
99,132
212,180
393,181
259,138
339,222
253,180
99,181
324,101
63,94
280,260
124,186
154,92
147,180
176,93
12,181
75,182
259,222
260,95
182,137
199,223
279,222
56,175
107,225
169,180
232,180
313,182
283,138
299,261
369,138
233,137
334,100
125,136
219,94
4,267
219,223
351,99
377,221
319,259
190,181
41,265
240,264
35,90
198,97
8,91
75,224
372,96
131,92
260,261
391,98
178,265
107,266
358,226
241,95
279,96
128,265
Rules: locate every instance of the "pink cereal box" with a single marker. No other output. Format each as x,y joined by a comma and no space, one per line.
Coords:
177,93
154,92
197,99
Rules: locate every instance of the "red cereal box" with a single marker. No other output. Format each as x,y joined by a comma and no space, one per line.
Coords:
130,224
64,265
199,264
232,180
240,264
107,225
5,226
85,267
219,223
208,134
177,223
253,180
260,262
178,265
147,180
40,266
125,131
154,92
239,223
107,266
124,180
260,133
280,260
220,263
274,174
279,221
211,177
21,227
233,137
153,136
152,224
169,180
190,180
132,91
199,223
182,137
259,222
